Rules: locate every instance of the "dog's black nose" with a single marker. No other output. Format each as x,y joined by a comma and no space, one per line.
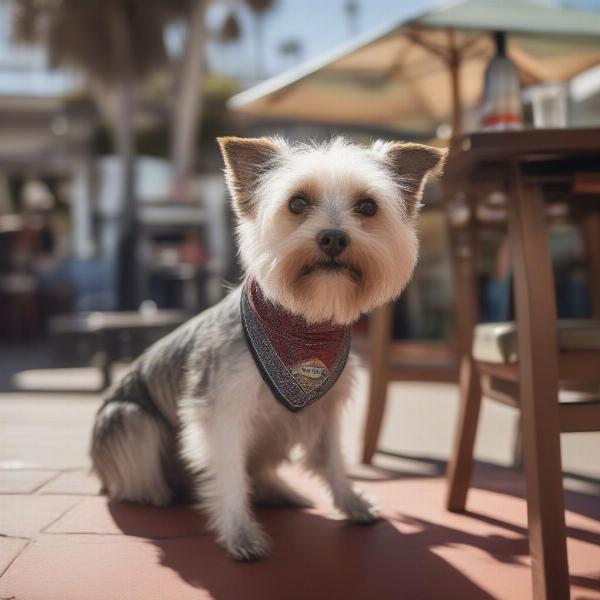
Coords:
333,241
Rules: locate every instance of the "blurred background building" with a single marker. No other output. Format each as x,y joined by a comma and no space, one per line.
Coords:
111,194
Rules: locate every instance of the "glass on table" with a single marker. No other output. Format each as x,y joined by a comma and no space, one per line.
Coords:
549,103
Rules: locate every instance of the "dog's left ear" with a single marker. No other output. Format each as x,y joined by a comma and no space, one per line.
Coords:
245,160
412,164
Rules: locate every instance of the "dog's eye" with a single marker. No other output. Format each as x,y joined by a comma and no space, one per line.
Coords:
366,208
298,205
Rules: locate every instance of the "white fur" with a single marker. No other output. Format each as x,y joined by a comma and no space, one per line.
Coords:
274,244
245,439
233,434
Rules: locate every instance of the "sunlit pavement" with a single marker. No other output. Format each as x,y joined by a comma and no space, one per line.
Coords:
62,540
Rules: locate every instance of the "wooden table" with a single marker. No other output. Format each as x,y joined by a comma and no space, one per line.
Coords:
521,165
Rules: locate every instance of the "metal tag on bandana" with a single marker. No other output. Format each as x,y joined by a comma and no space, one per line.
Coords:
298,362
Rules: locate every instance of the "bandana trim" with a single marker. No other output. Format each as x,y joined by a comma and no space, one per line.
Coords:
276,374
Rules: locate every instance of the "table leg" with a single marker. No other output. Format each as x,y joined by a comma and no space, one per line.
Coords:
380,335
591,233
460,466
108,357
105,371
538,372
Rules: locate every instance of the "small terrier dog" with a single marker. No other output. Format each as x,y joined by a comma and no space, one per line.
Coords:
326,232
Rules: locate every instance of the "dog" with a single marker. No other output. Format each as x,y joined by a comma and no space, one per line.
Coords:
326,232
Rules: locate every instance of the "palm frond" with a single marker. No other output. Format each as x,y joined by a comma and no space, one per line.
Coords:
108,39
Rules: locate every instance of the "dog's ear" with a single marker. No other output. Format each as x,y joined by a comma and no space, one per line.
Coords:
245,160
411,165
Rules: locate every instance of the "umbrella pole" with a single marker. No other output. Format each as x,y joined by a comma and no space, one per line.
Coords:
457,118
453,62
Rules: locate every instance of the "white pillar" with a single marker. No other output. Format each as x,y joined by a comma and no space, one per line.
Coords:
81,212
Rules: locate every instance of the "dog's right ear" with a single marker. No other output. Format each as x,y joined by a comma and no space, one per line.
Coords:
412,164
246,159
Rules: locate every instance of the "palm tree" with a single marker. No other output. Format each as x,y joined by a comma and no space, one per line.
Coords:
292,49
116,44
259,8
229,35
352,9
230,30
188,98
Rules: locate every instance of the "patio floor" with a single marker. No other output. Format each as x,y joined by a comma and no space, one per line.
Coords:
60,540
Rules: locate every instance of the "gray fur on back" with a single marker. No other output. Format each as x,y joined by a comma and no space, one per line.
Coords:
182,363
193,419
135,444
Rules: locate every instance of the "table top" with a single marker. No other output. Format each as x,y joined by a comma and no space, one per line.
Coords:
537,144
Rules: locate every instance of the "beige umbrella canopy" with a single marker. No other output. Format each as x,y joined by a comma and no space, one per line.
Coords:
416,74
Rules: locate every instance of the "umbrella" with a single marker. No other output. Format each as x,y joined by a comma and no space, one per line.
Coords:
419,73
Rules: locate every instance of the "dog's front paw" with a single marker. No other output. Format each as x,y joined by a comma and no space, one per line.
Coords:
248,544
359,508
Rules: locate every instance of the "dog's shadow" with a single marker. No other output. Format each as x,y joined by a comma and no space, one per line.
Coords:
320,557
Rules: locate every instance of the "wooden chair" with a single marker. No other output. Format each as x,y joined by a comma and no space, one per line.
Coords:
391,360
399,361
495,360
490,367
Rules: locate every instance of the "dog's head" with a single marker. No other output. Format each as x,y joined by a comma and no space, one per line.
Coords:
328,230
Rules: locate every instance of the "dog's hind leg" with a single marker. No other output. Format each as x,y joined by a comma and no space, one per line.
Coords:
129,449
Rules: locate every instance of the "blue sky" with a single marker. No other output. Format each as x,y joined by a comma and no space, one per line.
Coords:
318,25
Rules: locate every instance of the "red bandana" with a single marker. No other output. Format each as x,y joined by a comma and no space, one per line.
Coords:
299,362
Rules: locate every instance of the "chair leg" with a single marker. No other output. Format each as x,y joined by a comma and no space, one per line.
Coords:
380,326
518,444
591,233
460,466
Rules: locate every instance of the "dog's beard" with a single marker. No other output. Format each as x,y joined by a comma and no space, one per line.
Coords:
331,266
373,270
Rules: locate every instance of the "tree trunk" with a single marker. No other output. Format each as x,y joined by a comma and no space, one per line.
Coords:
188,101
127,268
123,132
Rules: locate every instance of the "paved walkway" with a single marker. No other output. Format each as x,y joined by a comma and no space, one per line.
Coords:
60,540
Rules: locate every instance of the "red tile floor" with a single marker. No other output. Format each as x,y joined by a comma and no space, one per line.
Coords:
60,540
